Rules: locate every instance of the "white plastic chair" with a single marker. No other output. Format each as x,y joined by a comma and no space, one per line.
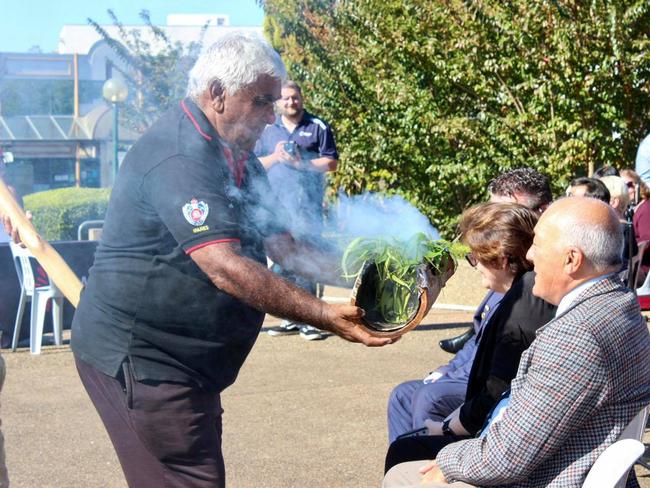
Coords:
39,296
612,466
636,428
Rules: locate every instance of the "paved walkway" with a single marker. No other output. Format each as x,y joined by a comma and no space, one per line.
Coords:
301,413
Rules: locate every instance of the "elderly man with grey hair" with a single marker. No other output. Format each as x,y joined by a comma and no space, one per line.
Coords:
582,380
178,291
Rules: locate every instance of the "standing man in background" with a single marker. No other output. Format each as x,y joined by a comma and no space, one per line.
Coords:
296,151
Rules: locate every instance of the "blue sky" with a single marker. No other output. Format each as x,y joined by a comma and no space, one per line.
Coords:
25,23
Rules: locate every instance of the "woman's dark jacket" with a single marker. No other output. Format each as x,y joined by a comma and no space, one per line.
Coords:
507,335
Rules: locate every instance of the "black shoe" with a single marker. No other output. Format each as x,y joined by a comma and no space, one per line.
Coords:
310,333
285,328
455,344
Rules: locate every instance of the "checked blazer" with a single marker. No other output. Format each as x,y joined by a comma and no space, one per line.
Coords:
583,379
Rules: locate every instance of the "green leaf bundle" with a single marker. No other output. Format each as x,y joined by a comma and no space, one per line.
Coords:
396,261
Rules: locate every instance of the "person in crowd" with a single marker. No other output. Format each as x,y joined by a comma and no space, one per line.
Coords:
642,164
581,382
177,294
584,186
525,186
296,150
444,389
4,235
619,197
613,191
633,183
620,201
498,235
640,210
605,170
639,195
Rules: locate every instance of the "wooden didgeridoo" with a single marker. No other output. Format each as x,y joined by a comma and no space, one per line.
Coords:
56,268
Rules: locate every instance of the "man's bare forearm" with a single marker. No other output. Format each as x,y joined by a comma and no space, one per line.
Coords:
260,288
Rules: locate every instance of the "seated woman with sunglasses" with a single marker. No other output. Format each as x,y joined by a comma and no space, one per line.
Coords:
498,235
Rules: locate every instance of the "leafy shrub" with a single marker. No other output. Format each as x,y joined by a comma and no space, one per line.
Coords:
58,213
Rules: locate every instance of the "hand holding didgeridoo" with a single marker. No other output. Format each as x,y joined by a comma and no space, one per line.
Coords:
19,225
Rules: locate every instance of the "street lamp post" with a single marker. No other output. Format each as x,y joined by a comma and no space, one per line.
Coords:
115,91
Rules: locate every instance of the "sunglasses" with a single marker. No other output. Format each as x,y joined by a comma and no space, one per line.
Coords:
471,259
630,184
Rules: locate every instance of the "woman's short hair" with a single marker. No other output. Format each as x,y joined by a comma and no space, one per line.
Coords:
634,176
617,189
496,230
234,60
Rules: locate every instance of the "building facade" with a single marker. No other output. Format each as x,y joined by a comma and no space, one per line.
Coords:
53,118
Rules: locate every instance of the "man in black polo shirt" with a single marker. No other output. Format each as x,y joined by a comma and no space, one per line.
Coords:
178,291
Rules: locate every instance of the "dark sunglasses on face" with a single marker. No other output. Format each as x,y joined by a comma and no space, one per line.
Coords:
471,259
629,184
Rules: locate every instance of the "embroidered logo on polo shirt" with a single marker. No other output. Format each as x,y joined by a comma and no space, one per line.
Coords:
196,212
302,133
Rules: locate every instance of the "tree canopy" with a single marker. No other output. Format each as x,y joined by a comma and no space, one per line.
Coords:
433,99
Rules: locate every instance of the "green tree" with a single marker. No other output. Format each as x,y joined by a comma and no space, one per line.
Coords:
433,99
155,69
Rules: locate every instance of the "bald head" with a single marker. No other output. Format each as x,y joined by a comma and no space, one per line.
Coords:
576,239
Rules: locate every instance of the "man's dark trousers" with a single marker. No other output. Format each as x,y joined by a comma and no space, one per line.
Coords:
166,435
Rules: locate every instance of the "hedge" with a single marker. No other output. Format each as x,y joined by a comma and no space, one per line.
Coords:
57,214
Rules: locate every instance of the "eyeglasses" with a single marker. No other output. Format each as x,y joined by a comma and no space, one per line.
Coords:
630,184
471,259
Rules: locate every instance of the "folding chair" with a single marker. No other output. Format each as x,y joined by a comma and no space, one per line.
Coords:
612,466
634,266
39,296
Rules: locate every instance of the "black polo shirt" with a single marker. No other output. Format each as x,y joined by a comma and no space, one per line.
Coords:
146,300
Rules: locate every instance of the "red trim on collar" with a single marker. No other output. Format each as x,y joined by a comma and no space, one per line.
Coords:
207,137
238,167
209,243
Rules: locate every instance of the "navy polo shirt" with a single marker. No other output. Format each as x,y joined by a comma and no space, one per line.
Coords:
300,191
146,299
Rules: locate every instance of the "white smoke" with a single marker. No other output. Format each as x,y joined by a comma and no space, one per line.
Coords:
373,215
